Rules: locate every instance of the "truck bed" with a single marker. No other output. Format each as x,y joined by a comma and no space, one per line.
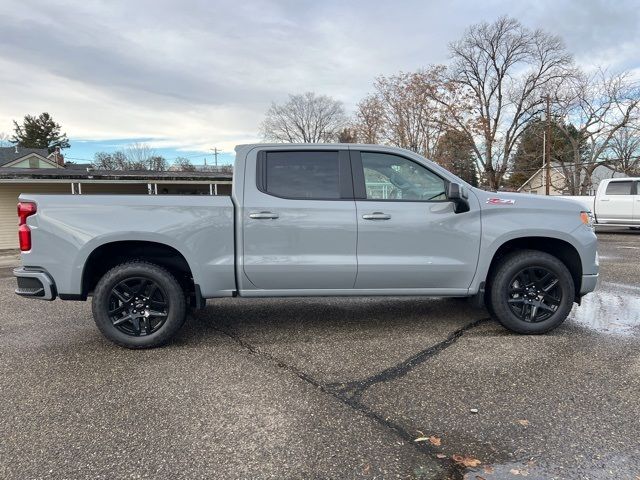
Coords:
67,228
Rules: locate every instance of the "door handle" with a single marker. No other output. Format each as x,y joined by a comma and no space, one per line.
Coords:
263,215
376,216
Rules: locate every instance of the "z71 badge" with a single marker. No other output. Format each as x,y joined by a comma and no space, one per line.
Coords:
501,201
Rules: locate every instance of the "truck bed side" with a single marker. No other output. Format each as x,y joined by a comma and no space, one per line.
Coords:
68,228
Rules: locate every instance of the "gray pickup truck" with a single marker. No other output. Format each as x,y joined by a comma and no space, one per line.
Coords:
308,220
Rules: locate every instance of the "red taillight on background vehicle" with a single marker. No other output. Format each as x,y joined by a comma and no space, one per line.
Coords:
25,209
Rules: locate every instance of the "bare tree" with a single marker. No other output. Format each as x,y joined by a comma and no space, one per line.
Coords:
184,165
305,118
126,160
594,109
157,163
138,155
347,135
110,161
625,148
369,120
406,110
412,117
505,69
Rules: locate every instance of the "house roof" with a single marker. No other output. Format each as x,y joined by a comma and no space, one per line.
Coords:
77,175
9,154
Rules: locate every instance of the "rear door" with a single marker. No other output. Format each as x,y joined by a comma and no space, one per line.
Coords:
408,233
299,220
616,204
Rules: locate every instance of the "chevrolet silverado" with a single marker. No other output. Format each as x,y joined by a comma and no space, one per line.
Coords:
308,220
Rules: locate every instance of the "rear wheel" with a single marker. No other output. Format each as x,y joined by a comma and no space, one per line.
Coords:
532,292
138,305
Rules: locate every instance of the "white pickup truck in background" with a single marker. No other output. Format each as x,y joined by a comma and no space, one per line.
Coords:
616,203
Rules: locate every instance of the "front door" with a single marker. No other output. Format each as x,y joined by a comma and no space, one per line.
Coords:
299,220
408,233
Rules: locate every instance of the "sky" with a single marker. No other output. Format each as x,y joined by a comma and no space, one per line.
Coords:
187,76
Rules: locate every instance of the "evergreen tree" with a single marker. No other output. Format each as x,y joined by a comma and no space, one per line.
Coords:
454,151
39,132
529,156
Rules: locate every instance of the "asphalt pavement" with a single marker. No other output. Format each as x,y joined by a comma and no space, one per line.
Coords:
328,388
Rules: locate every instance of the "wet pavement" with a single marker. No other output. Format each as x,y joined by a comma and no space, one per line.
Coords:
328,388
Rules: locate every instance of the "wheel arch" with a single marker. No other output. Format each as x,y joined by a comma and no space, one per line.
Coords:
109,254
561,249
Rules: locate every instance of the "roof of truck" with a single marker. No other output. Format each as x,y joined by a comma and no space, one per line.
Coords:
323,145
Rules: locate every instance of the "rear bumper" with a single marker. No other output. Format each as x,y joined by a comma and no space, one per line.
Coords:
34,284
588,284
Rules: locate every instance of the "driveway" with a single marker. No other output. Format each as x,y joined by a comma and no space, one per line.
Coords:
328,388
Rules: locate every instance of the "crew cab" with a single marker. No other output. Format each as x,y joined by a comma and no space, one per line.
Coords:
308,220
616,203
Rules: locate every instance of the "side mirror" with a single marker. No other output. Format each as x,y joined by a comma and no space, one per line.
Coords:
456,193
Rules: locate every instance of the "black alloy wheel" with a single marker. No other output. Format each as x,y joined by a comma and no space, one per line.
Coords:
138,306
534,294
530,292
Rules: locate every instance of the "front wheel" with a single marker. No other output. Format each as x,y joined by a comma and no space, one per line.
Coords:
138,305
531,292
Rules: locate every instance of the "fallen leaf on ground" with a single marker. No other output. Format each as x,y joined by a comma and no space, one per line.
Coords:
442,455
524,423
488,469
433,440
469,462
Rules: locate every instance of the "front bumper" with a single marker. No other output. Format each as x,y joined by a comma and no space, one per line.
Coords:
588,284
34,284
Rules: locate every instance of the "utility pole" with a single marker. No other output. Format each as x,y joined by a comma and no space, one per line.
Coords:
215,155
547,146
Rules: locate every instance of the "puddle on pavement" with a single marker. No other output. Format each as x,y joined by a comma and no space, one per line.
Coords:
508,471
597,468
613,308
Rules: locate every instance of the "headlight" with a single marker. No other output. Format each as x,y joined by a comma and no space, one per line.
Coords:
587,219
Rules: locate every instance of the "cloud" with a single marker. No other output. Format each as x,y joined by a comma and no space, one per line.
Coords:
197,73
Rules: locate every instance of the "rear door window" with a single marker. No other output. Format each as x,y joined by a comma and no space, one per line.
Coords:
619,188
302,175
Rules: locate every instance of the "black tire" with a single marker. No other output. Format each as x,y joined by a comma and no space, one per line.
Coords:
523,296
160,298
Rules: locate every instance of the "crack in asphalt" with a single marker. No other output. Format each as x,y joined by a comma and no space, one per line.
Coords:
350,393
355,389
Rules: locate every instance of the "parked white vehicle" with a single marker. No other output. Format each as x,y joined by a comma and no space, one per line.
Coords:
616,203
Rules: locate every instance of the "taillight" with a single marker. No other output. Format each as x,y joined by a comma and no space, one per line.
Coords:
25,209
